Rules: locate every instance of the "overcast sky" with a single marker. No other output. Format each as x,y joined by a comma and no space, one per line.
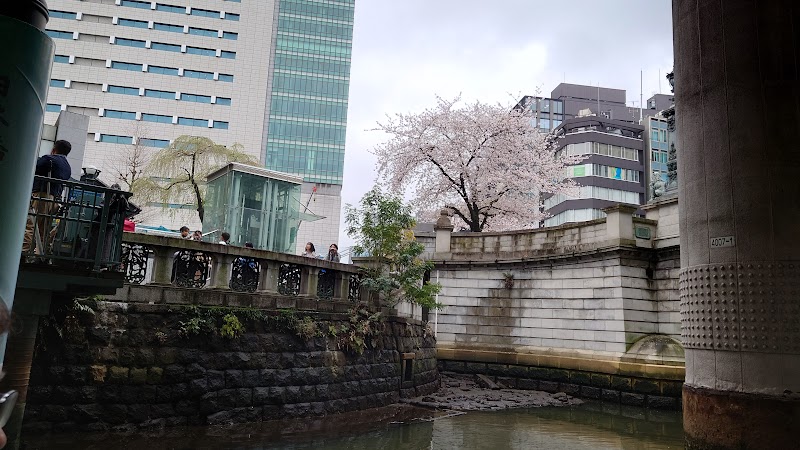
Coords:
406,52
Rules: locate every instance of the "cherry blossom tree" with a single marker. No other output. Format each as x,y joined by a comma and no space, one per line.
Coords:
488,164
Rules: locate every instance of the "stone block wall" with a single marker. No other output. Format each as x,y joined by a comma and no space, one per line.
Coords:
600,303
619,388
565,238
126,365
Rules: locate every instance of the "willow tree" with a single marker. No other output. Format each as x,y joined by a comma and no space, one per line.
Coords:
486,163
177,174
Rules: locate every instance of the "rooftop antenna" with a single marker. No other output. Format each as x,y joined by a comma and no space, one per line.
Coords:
641,95
659,81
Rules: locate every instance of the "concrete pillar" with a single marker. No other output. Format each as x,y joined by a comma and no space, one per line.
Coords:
29,306
443,229
221,271
268,278
619,223
737,97
309,279
163,258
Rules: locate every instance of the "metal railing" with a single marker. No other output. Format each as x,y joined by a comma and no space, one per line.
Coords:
81,228
150,259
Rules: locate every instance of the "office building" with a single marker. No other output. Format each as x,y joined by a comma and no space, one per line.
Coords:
270,75
612,171
568,101
622,144
657,139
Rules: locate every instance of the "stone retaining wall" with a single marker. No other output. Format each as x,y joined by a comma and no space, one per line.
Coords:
126,365
624,389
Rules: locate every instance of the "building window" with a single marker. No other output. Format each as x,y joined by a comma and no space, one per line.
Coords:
233,17
114,139
61,59
63,14
163,70
227,55
221,125
223,101
58,83
157,118
123,90
168,27
195,98
114,114
157,143
544,124
202,32
229,35
198,74
205,13
126,66
159,94
135,4
130,43
192,122
52,107
55,34
166,47
132,23
169,8
226,78
201,51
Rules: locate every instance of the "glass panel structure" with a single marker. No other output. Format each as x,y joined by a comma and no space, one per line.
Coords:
308,106
254,205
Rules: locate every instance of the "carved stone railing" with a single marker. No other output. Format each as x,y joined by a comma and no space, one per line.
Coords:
149,259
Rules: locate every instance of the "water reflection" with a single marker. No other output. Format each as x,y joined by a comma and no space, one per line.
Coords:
595,426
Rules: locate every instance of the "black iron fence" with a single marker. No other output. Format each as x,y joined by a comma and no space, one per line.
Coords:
200,265
80,228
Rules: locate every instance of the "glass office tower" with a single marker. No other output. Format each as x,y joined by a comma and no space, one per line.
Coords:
311,78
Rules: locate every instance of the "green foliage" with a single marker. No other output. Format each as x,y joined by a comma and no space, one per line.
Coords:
306,328
382,227
231,327
359,333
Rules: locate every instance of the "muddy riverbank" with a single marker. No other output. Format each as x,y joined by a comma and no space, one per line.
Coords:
478,393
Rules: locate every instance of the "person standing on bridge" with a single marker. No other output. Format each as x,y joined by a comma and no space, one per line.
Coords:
43,206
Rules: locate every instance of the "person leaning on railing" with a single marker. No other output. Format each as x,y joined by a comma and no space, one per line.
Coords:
54,165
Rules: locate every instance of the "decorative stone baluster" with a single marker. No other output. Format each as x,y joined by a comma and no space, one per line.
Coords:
308,281
221,271
341,289
162,265
268,279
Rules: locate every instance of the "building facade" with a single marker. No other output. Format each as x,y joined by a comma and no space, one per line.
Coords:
622,144
612,171
269,75
657,139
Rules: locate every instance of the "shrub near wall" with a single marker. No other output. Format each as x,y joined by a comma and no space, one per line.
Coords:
107,365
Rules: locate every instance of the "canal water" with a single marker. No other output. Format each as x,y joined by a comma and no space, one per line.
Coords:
595,426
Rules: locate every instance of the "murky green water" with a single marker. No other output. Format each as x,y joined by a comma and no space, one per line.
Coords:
593,426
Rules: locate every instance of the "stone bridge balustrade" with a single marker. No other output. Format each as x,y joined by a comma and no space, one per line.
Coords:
160,260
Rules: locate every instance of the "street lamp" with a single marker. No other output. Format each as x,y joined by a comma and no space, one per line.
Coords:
90,173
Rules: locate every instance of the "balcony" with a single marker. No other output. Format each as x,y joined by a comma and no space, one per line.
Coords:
76,241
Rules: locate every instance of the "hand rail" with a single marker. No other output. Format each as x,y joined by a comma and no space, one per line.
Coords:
81,228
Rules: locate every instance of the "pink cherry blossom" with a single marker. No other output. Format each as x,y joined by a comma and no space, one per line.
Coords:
488,164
